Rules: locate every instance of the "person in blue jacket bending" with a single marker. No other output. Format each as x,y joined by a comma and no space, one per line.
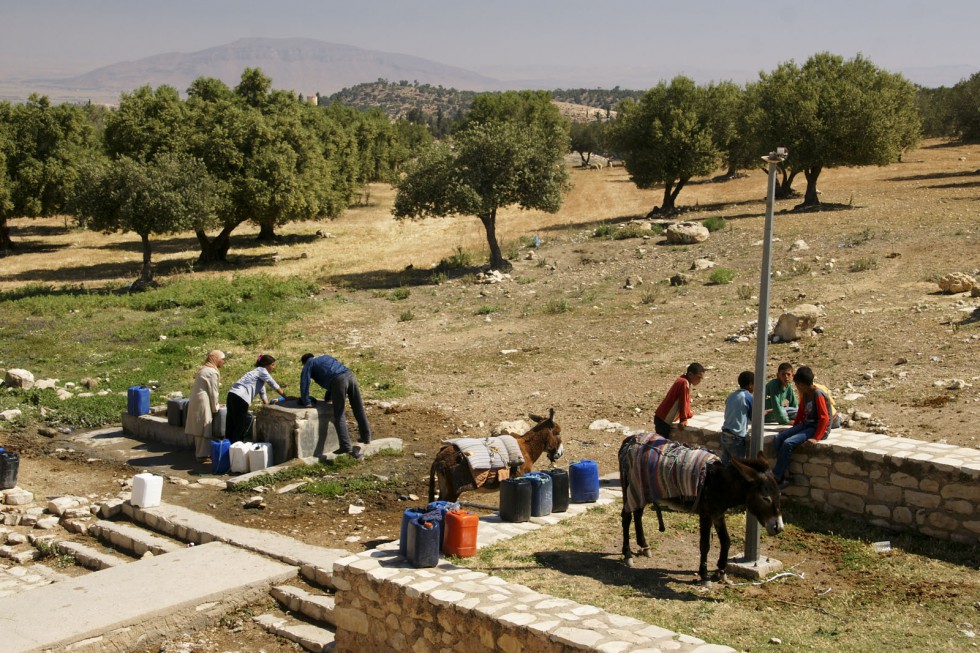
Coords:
340,383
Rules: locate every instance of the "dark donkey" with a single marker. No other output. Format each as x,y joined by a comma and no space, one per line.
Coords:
745,481
455,475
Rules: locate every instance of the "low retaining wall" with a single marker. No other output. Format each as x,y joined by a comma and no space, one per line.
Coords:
296,431
383,604
892,482
153,427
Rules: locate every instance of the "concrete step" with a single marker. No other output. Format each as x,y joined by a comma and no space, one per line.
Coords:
315,563
310,637
132,539
318,607
132,606
88,557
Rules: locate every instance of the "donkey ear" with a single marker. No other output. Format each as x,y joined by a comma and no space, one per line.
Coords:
551,414
536,418
762,459
747,472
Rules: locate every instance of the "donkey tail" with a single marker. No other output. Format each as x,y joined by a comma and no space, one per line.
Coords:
432,481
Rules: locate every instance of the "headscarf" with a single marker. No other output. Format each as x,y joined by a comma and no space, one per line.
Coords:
215,356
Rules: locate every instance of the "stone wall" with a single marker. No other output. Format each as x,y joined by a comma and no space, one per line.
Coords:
385,605
888,481
296,431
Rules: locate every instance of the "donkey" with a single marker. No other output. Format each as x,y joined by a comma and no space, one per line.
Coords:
455,475
746,481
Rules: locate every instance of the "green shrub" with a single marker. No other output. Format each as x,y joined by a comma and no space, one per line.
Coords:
437,278
715,223
745,291
406,316
557,306
458,261
650,295
722,276
629,231
864,264
399,294
486,309
604,230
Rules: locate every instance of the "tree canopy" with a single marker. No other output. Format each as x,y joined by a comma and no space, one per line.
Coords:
666,137
509,150
831,113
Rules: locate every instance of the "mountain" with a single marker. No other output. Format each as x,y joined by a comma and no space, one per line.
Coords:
307,66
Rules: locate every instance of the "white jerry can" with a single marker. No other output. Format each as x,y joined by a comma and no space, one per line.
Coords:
260,456
238,457
147,490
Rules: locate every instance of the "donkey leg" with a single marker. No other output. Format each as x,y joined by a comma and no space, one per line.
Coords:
641,538
627,552
724,542
660,516
705,524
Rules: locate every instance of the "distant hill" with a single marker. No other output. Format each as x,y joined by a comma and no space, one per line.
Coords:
307,66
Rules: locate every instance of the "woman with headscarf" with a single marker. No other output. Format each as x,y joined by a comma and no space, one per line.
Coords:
243,391
204,405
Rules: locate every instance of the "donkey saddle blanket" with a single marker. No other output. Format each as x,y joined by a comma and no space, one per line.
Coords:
496,452
653,468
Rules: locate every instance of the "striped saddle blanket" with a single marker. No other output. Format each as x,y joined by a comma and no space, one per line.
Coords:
653,468
496,452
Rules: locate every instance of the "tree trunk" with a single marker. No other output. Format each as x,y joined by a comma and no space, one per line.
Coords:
811,198
266,232
670,195
497,260
215,250
6,245
146,274
732,169
785,186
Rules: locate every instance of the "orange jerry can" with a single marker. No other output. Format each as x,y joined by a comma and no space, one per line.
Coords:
461,528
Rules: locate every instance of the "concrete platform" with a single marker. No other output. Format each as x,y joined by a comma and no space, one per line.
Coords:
135,604
297,431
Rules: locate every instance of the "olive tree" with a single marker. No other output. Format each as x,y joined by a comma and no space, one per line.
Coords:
666,138
509,150
831,113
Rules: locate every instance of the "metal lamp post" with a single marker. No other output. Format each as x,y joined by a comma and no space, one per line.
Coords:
762,346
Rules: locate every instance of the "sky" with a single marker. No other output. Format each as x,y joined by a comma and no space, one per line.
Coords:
587,43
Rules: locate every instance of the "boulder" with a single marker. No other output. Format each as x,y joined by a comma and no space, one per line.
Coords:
680,279
796,323
10,415
799,246
17,378
954,282
686,233
702,264
515,428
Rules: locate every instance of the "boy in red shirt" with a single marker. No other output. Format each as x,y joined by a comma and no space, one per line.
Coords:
676,406
812,422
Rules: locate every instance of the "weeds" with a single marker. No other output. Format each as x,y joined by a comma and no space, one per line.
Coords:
744,292
406,316
486,309
557,306
721,276
399,294
855,240
604,231
715,223
460,260
864,264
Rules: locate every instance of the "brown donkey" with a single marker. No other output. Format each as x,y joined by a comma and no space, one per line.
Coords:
455,476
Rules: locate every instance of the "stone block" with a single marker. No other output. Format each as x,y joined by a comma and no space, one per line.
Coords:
850,485
930,485
922,499
969,492
888,493
849,469
296,431
877,510
943,521
816,471
849,502
904,480
960,507
902,515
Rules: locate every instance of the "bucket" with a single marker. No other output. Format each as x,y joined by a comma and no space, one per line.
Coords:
515,499
238,457
138,400
583,478
147,490
9,465
540,493
423,543
220,461
407,516
559,489
460,536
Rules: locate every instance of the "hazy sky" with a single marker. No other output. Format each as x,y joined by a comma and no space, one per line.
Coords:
930,42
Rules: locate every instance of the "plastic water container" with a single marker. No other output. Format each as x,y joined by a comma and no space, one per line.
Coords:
583,478
9,465
177,411
559,489
138,400
461,530
540,493
238,457
219,423
220,457
147,490
259,456
515,500
423,543
442,507
407,517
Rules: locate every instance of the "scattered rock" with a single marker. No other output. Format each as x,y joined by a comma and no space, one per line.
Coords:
797,323
516,427
10,415
686,233
354,510
90,383
702,264
45,384
17,378
255,502
955,282
799,246
680,279
632,282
